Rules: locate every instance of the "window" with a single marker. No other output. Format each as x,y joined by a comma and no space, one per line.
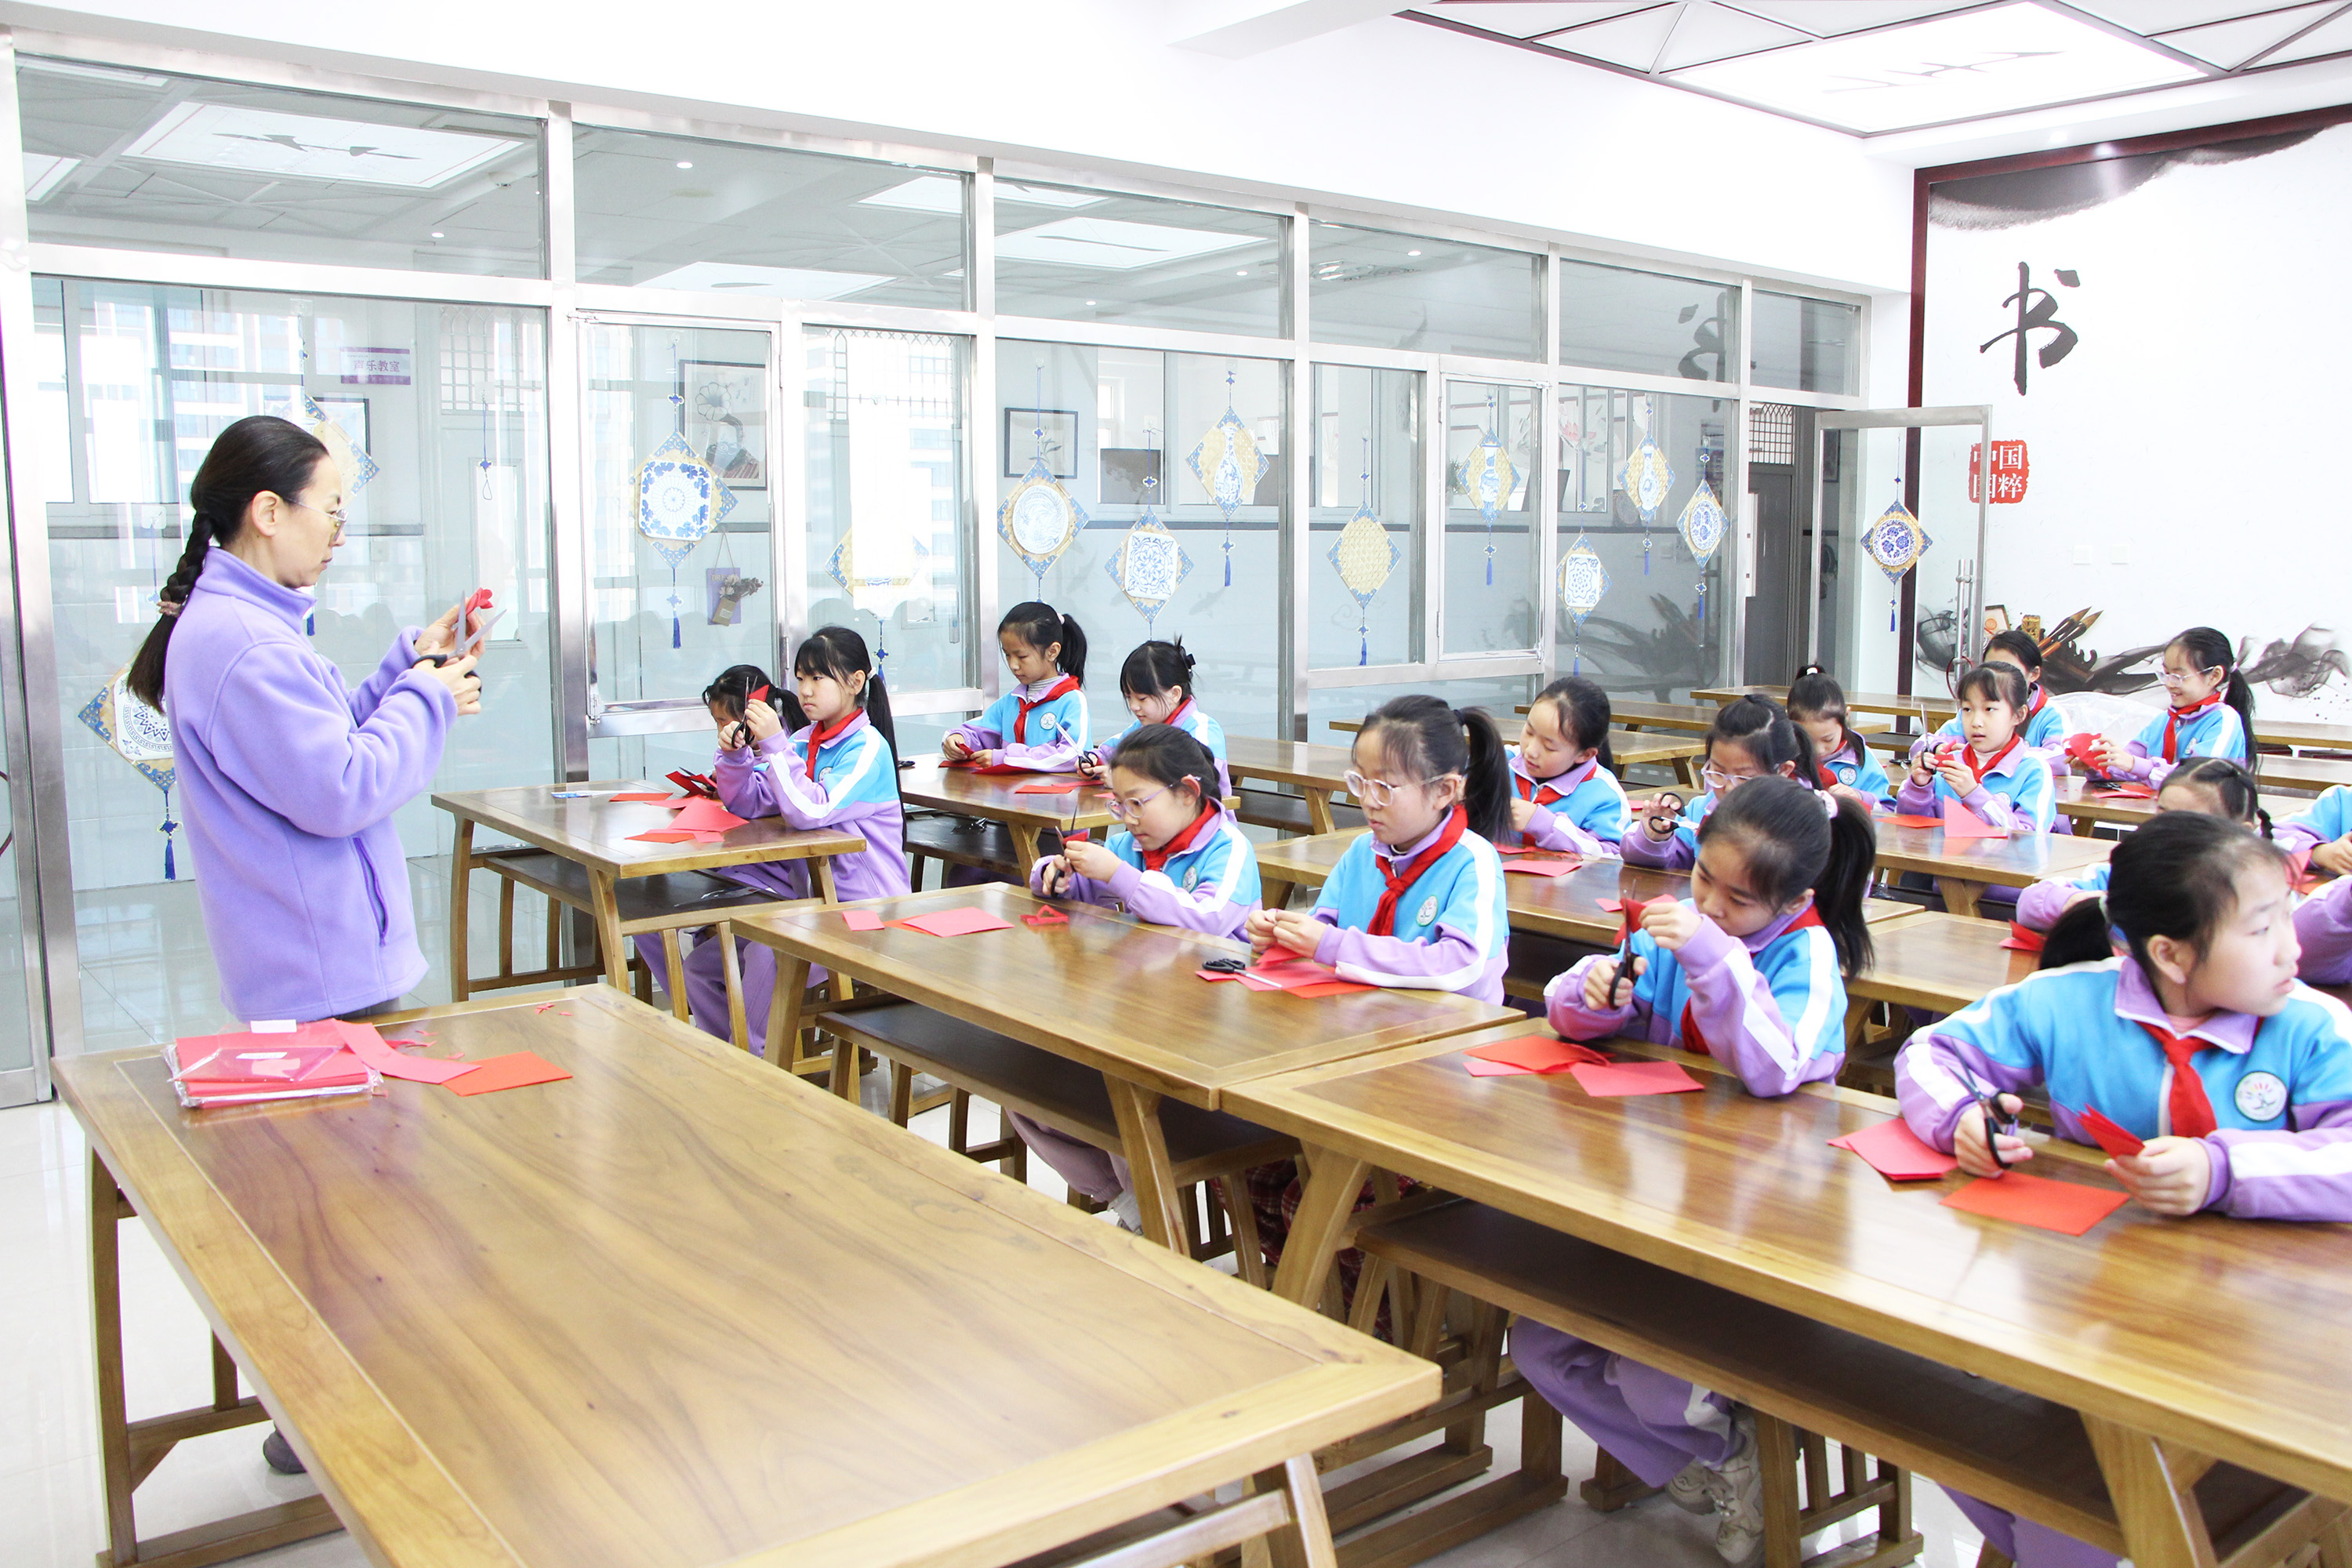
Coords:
1493,556
1404,292
1611,318
1813,345
735,218
1366,601
145,161
1078,254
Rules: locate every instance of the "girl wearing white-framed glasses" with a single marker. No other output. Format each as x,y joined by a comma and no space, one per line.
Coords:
1751,738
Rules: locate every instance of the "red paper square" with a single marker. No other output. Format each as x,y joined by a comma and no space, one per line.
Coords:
963,921
2116,1141
1051,786
1903,819
1896,1152
513,1071
668,836
1959,822
861,920
2069,1208
1330,988
1632,1078
655,796
1542,867
1538,1053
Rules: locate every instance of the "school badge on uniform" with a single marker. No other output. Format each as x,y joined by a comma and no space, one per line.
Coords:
1428,911
1192,878
2262,1097
1048,720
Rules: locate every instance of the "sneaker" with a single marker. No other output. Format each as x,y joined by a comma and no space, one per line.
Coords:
281,1454
1688,1491
1128,1210
1736,1486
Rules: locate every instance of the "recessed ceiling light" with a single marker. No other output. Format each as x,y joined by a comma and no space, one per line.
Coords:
1090,301
1413,253
437,233
781,282
1113,244
44,171
1243,273
686,163
309,146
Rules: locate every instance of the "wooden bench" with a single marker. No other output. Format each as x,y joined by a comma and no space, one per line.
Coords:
1289,812
1071,1099
2015,1451
965,841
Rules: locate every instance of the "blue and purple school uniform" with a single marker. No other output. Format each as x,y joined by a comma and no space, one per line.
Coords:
1041,726
2208,729
1193,723
1680,852
1580,812
1854,765
2044,727
2323,926
2012,792
1209,882
2324,821
1450,924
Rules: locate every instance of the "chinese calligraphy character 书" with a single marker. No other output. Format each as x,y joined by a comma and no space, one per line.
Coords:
2037,311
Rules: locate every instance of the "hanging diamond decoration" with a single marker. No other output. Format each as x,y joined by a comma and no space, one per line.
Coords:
1229,466
1364,555
1487,480
353,466
1703,527
1646,477
1148,562
678,501
1583,584
141,736
1894,544
1039,519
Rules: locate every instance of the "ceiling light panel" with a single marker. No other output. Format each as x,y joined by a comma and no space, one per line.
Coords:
1527,21
309,147
1719,33
781,282
43,171
2327,39
1959,67
1631,41
2165,16
1827,18
2232,44
1113,244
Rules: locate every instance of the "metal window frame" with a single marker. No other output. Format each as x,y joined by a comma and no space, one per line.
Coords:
1972,591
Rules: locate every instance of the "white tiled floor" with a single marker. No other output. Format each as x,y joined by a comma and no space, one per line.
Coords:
50,1515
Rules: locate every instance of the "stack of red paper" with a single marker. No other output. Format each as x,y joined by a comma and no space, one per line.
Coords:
251,1069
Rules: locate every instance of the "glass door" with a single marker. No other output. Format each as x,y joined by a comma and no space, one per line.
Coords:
682,467
1493,563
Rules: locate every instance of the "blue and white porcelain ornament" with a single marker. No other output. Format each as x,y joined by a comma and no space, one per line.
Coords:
1229,465
1583,584
1149,563
1039,519
1364,555
1894,544
1487,478
141,736
1646,477
1703,527
676,501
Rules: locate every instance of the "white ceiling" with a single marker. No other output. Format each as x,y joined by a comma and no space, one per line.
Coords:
1876,67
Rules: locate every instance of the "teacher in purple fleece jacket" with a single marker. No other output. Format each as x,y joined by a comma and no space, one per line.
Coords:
289,779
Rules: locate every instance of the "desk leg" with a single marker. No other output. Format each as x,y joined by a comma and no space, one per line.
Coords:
1687,772
608,929
739,1029
113,1412
1273,894
673,976
1145,1143
1959,898
1333,1180
1026,852
461,871
1319,810
2163,1526
784,1010
821,874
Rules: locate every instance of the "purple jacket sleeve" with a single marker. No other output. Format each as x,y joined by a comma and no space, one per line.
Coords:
2291,837
803,802
290,742
1154,896
1674,854
1743,1020
1552,830
398,659
1997,811
746,789
2300,1174
1060,757
1080,889
2038,907
1933,1089
1564,1007
979,734
1915,799
2143,768
1391,960
2324,926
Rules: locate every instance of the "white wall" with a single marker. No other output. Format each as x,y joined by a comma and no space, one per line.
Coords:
1390,114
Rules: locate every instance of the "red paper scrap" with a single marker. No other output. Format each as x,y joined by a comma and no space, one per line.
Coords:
1478,1068
759,695
1051,786
1291,972
1517,849
1904,819
704,816
657,796
2124,792
2068,1207
1896,1152
511,1071
665,835
1331,988
1543,867
1046,918
2084,749
2023,939
479,599
371,1047
1538,1053
1632,1078
1959,822
861,920
963,921
2114,1140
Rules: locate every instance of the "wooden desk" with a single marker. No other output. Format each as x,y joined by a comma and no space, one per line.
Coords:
2311,737
594,834
1107,992
2313,774
2077,800
1629,749
1964,868
1693,720
2128,1324
1939,962
934,787
1318,772
1933,709
661,1314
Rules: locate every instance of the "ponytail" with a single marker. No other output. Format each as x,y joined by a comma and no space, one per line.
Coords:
2211,650
2080,936
838,653
1154,668
1423,736
1042,626
1792,847
1816,693
1583,716
259,454
2235,790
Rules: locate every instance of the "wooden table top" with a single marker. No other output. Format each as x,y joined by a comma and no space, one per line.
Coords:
1564,906
1289,761
2294,732
1941,963
929,785
595,831
1628,746
1919,705
2313,774
2075,800
2199,1331
1676,716
2018,862
1114,993
662,1314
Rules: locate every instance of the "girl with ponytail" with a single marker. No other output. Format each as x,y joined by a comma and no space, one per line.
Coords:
821,755
1566,797
1750,970
1156,682
2211,712
1040,725
2213,785
1752,737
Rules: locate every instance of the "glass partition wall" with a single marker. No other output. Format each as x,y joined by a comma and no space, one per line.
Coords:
1341,458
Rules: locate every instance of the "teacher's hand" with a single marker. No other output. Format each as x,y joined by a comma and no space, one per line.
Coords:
441,636
458,676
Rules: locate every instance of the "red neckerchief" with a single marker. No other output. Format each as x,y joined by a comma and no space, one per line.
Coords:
2191,1109
1180,713
1402,877
1535,793
820,736
1695,1042
1062,688
2040,700
1969,755
2172,718
1155,858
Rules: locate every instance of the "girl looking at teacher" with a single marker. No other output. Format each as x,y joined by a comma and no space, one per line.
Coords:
1040,724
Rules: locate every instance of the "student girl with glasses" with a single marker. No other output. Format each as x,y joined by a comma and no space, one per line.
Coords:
1751,738
2208,712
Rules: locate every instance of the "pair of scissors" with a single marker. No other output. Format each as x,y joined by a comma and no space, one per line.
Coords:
1996,1120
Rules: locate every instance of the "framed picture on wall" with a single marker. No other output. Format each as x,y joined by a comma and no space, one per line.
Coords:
1061,449
727,418
352,414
